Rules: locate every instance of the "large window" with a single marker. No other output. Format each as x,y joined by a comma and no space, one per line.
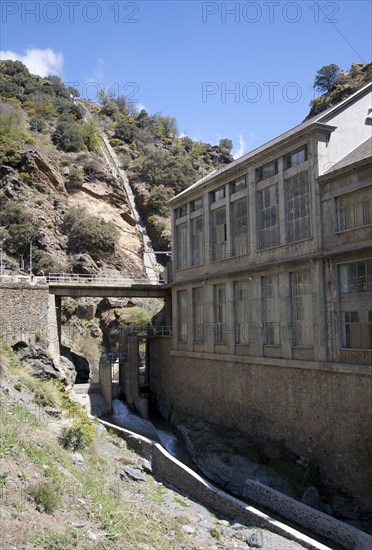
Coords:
182,316
238,185
242,312
268,204
219,234
219,313
302,309
181,211
266,171
181,246
354,209
197,241
356,277
355,282
298,208
196,204
295,158
218,194
239,227
271,308
198,313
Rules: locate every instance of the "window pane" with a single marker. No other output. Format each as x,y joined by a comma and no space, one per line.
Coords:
181,246
302,308
271,308
219,234
354,209
182,316
355,280
219,310
197,241
298,208
268,201
198,313
242,312
239,229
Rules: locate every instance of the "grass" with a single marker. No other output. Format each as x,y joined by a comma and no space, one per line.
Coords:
126,514
181,502
46,494
46,392
215,533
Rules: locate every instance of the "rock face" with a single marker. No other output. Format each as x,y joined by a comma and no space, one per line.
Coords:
41,364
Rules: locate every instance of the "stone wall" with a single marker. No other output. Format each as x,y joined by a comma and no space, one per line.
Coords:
321,411
28,314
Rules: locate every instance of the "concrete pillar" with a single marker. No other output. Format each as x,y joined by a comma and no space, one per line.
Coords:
168,309
58,311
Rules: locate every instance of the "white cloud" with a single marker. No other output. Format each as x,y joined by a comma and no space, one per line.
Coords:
240,152
140,107
244,143
40,62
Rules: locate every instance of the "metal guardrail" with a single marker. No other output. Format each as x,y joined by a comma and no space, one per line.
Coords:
148,331
68,278
113,356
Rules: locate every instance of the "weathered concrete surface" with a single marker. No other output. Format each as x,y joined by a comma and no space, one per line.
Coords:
100,290
319,413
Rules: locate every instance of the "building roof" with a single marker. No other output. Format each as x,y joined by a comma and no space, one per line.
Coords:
363,151
319,119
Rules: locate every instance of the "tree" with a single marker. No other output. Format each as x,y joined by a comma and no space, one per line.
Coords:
67,135
90,135
125,131
225,145
325,78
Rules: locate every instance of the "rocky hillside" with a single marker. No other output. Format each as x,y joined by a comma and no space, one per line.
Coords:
59,185
345,84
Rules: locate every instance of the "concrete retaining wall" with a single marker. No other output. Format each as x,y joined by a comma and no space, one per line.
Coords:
321,411
173,472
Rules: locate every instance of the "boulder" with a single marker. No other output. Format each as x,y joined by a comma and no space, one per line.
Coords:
42,365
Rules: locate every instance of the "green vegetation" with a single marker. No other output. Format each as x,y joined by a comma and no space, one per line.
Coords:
335,85
47,495
79,435
90,492
89,233
325,78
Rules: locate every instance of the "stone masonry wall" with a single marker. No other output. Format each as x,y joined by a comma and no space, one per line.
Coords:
27,314
321,412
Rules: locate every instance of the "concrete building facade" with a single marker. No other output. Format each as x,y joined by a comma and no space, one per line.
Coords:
272,295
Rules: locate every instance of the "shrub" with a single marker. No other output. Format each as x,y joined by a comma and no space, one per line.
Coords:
75,176
73,215
90,135
159,196
79,435
93,235
67,135
124,131
47,495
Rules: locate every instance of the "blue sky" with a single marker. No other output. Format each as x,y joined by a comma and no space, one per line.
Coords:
242,70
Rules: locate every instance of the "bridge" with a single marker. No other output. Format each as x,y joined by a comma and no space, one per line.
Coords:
96,286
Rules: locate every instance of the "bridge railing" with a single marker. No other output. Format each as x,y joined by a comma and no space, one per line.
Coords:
89,279
112,357
147,331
